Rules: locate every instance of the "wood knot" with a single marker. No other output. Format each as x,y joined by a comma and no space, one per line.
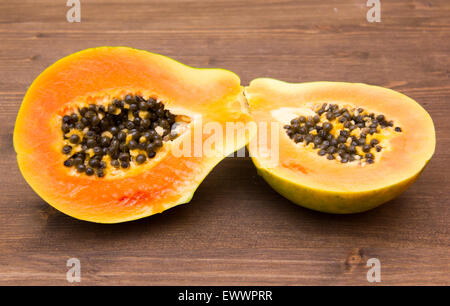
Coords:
33,58
354,259
47,212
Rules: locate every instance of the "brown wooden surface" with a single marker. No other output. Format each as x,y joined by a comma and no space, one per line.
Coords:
236,230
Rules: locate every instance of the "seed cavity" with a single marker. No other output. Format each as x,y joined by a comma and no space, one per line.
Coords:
344,134
127,131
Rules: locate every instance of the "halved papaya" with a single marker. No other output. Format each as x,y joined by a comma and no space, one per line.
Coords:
113,134
338,147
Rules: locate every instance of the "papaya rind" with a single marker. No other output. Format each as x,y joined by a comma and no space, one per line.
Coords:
332,201
184,199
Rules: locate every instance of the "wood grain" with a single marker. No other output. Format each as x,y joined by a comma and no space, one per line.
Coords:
236,230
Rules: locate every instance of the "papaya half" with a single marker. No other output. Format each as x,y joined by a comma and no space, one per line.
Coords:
112,134
338,147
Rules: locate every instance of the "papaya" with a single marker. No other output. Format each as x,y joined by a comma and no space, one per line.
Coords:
338,147
113,134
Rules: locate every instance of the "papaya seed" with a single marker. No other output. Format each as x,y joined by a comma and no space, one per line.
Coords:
334,132
116,129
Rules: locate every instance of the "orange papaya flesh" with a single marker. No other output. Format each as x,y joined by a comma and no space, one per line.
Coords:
99,76
404,143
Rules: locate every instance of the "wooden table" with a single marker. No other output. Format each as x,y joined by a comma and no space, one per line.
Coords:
236,230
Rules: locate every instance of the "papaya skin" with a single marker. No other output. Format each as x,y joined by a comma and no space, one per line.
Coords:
216,94
334,202
318,184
